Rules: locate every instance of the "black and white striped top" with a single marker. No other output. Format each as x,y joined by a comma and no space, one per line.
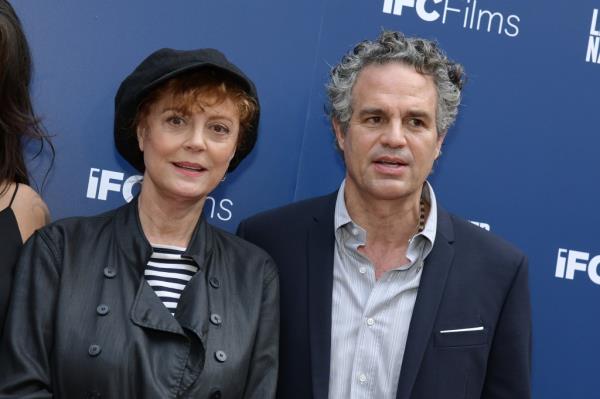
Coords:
167,272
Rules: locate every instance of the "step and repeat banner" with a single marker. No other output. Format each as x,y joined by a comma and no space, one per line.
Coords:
521,161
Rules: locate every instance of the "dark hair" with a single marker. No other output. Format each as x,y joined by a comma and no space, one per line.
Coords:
17,118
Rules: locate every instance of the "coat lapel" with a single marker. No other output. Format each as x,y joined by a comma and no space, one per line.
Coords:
321,243
431,289
149,312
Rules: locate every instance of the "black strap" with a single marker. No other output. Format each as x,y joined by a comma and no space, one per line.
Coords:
14,195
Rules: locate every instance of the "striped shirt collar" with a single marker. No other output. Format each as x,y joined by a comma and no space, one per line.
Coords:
343,219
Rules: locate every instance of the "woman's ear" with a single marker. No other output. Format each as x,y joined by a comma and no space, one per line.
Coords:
141,135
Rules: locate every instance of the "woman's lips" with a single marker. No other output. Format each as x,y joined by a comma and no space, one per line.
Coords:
189,168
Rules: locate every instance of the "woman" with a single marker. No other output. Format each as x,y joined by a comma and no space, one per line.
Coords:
22,211
149,300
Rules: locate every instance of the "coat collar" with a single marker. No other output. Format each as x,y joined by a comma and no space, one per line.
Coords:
148,311
136,249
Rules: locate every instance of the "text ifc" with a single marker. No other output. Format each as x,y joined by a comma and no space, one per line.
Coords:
568,262
102,181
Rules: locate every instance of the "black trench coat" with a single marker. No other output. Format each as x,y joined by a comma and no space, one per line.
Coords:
83,322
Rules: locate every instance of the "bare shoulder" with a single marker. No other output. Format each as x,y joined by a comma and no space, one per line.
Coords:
30,210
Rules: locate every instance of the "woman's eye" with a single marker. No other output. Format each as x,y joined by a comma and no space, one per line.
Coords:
221,129
176,120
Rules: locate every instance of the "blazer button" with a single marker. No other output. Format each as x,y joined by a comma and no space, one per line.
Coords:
216,319
93,395
216,394
214,282
109,272
94,350
102,310
220,356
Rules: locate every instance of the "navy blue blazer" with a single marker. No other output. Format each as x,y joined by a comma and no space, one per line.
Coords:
471,278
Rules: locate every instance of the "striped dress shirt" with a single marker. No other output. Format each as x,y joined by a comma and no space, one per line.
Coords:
370,318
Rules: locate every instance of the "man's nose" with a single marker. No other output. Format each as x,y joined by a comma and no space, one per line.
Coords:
394,135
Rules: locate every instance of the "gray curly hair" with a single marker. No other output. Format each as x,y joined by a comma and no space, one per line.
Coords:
390,46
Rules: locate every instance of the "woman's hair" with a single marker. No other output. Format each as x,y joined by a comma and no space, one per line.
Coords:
208,87
17,118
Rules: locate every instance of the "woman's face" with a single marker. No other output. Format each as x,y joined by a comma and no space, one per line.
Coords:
187,150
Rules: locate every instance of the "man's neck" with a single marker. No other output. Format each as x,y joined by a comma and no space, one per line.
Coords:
384,220
389,224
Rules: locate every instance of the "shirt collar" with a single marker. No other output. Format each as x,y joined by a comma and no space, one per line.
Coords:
342,217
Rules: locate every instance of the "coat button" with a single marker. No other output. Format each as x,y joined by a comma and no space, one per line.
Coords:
215,394
214,282
102,310
216,319
93,395
94,350
109,272
221,356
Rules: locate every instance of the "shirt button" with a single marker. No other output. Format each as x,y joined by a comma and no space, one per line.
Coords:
362,378
102,310
214,282
354,231
220,356
94,350
109,272
216,394
216,319
370,321
362,270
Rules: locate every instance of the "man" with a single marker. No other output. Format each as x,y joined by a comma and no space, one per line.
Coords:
383,294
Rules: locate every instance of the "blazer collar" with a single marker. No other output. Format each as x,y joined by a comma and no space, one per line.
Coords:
431,289
321,243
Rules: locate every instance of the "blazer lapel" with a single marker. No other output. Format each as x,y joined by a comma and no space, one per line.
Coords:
431,289
321,243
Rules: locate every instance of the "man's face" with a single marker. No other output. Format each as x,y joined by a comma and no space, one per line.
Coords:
391,141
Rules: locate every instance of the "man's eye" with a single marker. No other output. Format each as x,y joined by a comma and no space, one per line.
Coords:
414,122
374,120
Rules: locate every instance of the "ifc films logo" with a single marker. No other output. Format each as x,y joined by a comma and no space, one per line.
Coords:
468,13
593,48
101,182
568,262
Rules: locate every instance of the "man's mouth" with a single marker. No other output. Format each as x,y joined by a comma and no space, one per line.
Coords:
390,162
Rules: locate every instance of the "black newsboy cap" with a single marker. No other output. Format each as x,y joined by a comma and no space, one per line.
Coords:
157,68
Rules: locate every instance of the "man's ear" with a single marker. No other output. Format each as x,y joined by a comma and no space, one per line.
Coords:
339,134
438,145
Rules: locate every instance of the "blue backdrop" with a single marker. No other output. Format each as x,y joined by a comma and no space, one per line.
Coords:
521,159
